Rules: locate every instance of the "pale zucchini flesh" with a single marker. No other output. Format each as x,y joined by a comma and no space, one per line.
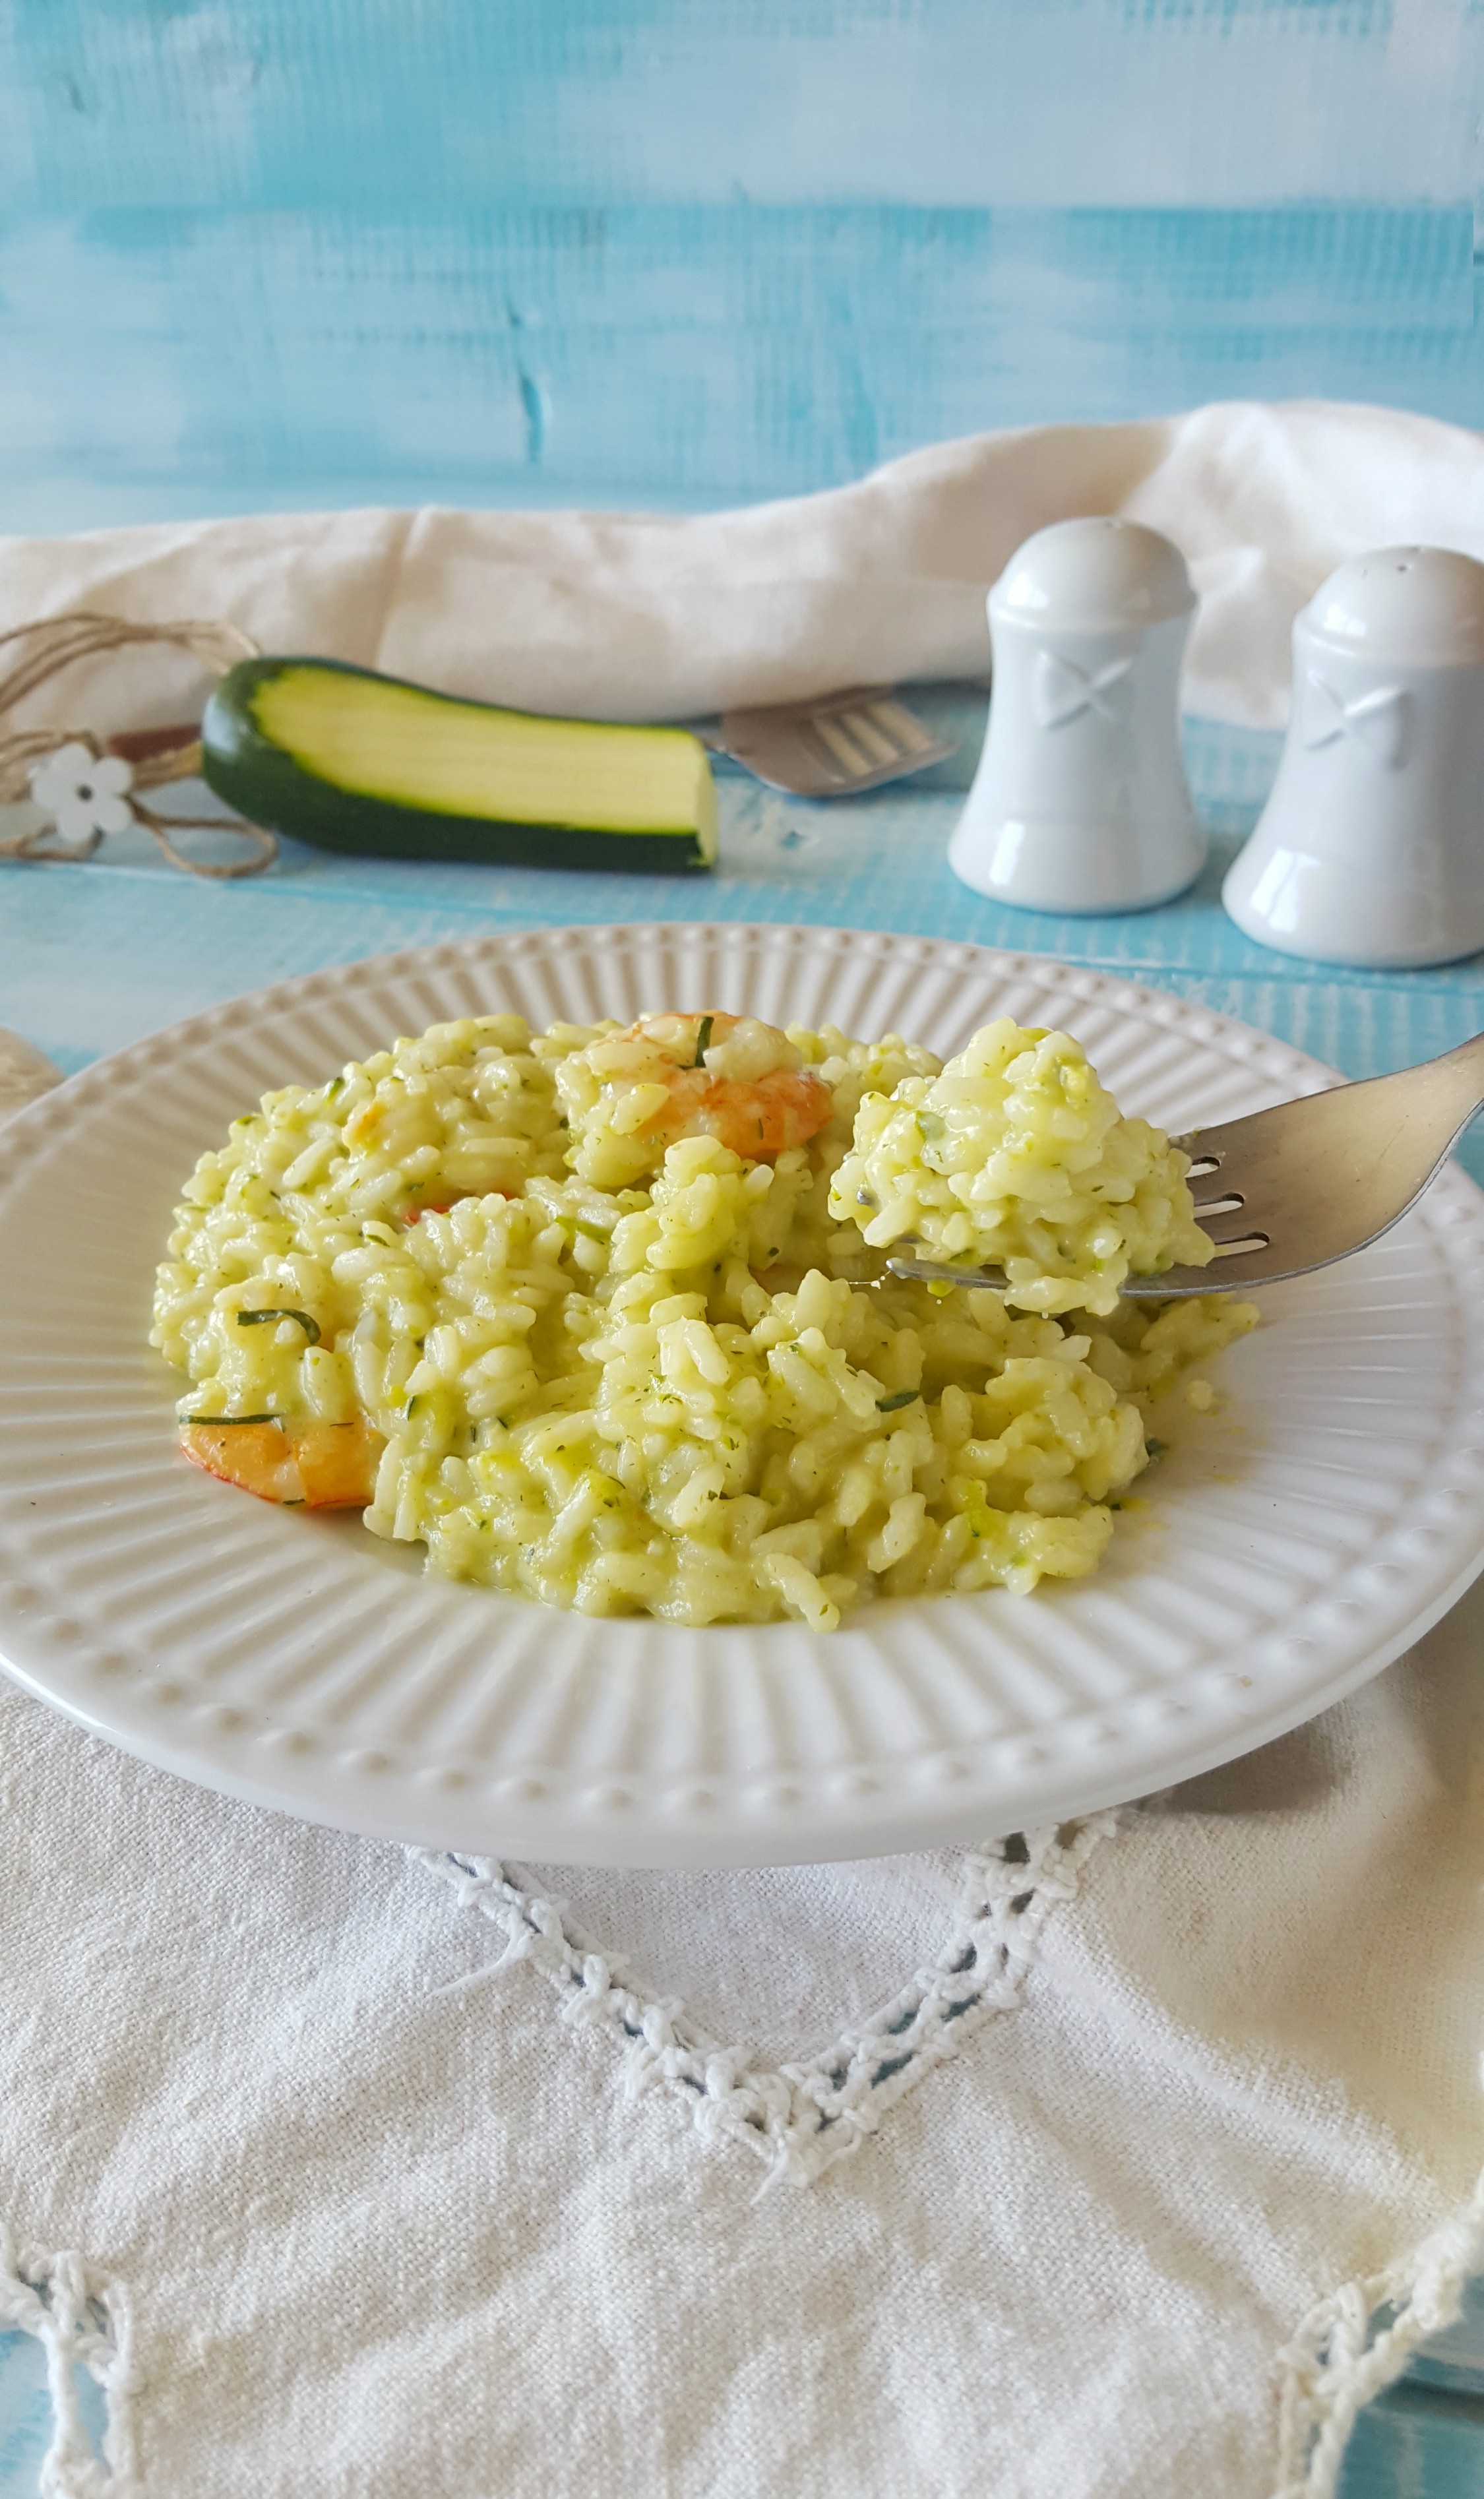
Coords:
354,761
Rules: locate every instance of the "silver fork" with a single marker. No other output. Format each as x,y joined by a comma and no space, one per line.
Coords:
1307,1183
833,747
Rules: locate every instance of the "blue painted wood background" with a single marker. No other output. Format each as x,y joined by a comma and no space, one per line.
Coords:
675,252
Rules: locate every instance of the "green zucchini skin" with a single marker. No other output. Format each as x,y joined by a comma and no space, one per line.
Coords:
270,787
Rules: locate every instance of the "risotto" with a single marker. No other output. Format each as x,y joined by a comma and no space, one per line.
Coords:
1014,1156
602,1317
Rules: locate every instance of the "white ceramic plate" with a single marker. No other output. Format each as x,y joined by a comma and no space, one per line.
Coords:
1291,1544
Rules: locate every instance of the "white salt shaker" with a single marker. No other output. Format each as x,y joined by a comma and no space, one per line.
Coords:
1370,848
1081,801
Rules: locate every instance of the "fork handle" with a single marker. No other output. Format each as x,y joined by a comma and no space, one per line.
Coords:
1329,1173
1443,1092
1438,1096
1455,1082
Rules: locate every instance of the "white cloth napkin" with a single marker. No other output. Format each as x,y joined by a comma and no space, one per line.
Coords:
341,2167
319,2215
645,619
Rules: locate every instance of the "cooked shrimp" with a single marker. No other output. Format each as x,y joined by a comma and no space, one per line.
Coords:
722,1076
323,1465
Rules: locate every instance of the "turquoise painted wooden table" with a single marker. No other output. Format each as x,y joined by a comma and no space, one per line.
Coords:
93,957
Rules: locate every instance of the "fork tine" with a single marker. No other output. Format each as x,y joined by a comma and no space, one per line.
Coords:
836,737
862,727
1238,1224
840,776
830,747
902,727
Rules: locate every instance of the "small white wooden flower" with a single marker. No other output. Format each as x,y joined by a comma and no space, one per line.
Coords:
85,794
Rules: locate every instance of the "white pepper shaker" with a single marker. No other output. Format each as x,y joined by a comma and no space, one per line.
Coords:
1081,801
1370,848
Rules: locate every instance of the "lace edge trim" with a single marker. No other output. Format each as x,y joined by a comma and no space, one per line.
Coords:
82,2318
799,2118
1339,2360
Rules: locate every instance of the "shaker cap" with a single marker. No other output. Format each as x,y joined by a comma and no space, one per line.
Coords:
1096,575
1417,606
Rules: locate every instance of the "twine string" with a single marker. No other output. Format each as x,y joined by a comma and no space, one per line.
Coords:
41,651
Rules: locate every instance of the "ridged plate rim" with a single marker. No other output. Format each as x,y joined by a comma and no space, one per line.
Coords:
738,1745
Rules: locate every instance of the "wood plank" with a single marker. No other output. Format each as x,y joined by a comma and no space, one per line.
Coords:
1413,2443
158,363
612,102
1454,2359
92,956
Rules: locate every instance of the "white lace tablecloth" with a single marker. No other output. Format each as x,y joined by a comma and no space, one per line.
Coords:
1152,2144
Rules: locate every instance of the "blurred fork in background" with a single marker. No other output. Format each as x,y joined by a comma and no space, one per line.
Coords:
830,747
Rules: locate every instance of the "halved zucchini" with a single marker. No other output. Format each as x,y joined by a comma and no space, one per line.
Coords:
352,760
